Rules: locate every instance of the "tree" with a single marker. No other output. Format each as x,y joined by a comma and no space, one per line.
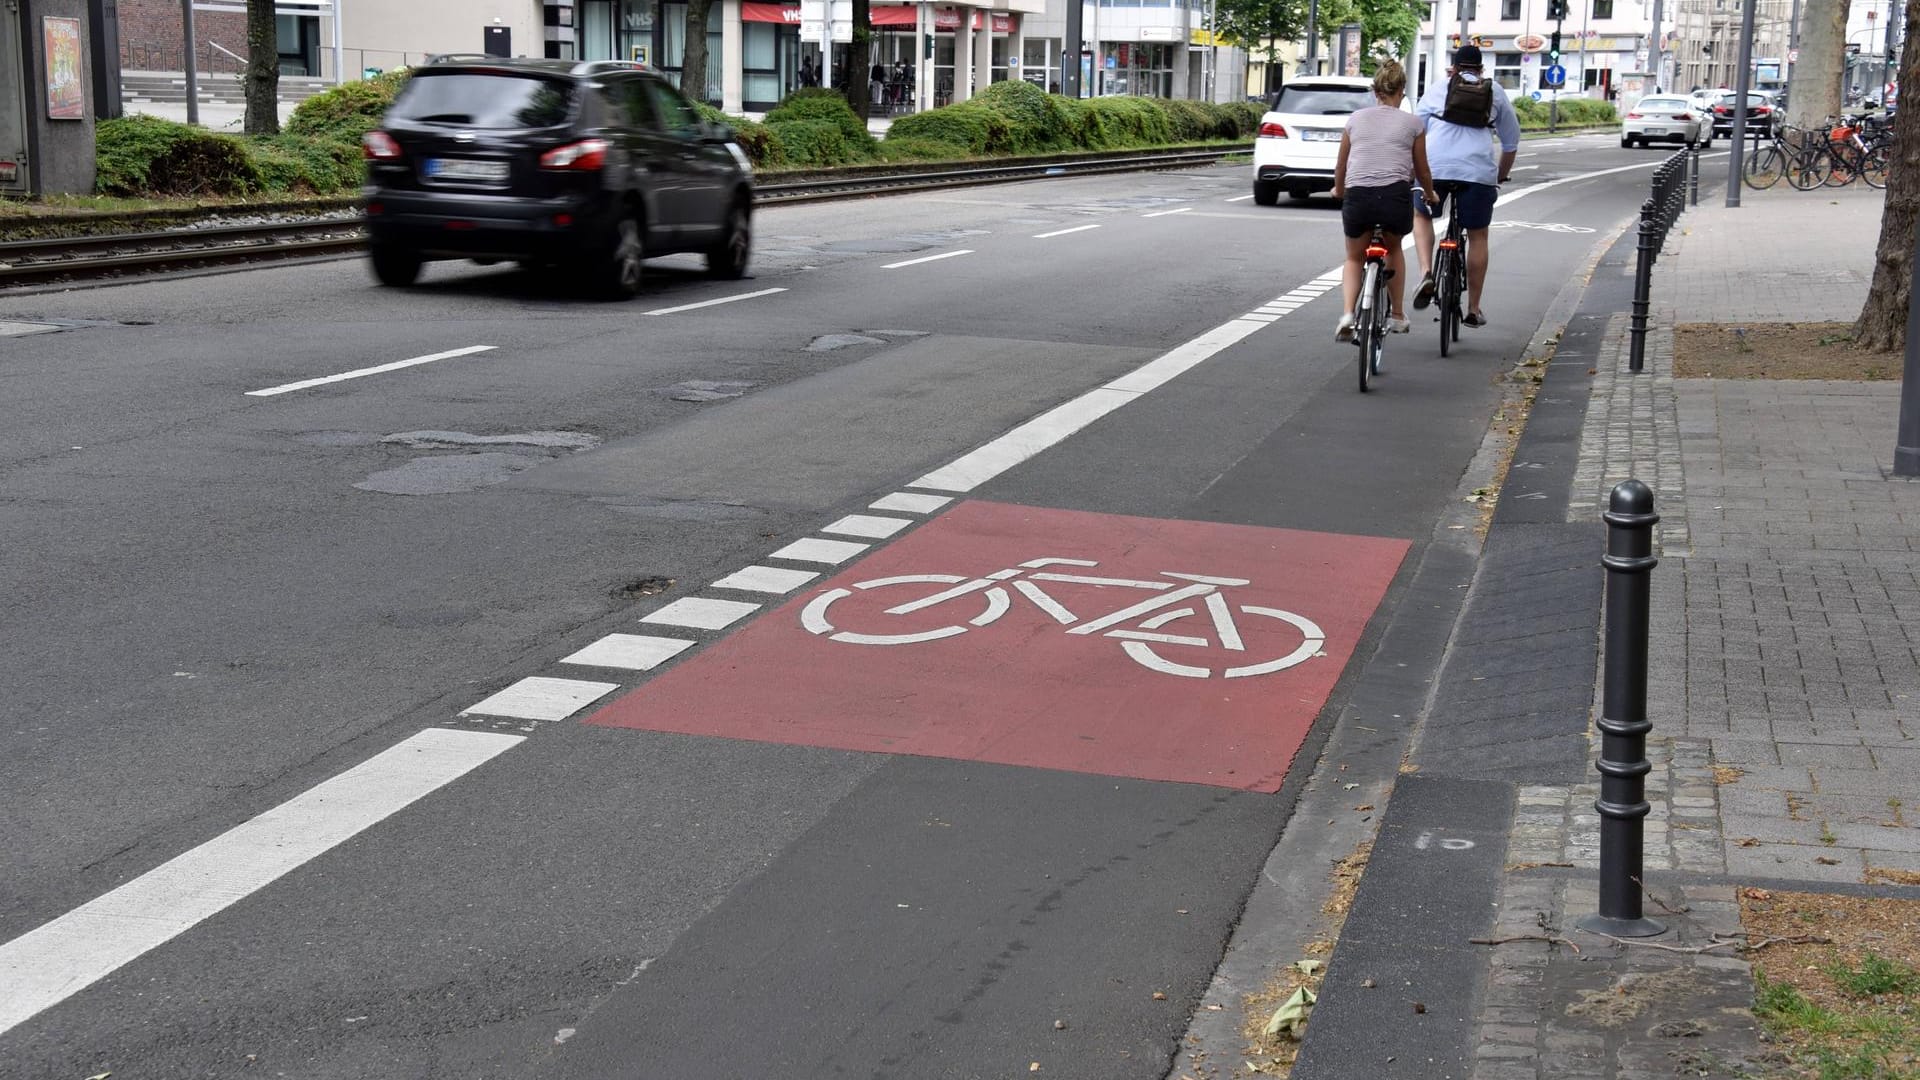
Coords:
860,61
693,61
263,69
1882,325
1814,90
1262,25
1389,26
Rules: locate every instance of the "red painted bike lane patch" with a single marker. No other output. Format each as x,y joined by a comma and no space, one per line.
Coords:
1124,646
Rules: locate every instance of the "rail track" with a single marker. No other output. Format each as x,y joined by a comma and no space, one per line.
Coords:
337,230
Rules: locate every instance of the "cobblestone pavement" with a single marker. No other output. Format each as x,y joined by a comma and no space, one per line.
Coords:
1785,661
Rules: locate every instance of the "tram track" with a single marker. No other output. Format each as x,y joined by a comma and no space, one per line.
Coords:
337,229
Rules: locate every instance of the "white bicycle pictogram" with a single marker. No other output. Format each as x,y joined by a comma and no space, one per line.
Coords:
1166,610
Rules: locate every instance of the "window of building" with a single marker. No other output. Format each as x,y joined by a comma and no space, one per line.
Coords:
1603,9
1506,69
1510,10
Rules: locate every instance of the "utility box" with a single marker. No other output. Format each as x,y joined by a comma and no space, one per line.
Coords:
499,40
47,104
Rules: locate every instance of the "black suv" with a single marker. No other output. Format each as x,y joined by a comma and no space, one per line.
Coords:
589,167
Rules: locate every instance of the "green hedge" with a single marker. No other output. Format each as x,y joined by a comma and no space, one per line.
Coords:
824,106
975,126
815,143
1037,122
1119,123
1573,112
347,111
145,155
756,139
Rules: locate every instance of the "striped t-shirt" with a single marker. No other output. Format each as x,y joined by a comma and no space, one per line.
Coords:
1381,146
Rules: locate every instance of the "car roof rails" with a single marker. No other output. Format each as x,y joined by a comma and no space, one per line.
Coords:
457,57
590,66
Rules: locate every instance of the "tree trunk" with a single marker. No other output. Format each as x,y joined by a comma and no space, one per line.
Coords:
1814,92
860,62
263,69
693,64
1882,325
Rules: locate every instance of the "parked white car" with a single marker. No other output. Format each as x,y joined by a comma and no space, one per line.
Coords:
1299,139
1665,118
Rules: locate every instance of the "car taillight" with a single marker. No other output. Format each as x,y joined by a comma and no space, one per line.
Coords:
587,154
1272,131
379,146
1683,116
1634,116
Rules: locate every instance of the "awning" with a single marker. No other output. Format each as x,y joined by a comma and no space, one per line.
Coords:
890,16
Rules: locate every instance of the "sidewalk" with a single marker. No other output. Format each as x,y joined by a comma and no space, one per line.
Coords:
1784,688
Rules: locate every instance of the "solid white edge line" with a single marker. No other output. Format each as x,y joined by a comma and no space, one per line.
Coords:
928,259
1063,232
1239,198
395,366
47,965
711,303
1164,213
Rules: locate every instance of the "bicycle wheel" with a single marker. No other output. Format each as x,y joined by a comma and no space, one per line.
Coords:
1443,299
905,620
1841,168
1874,168
1764,168
1381,314
1808,169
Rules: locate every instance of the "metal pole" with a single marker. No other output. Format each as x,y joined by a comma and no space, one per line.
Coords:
1313,37
1071,44
1653,47
1623,722
186,53
1906,450
1644,251
340,48
1693,172
1742,79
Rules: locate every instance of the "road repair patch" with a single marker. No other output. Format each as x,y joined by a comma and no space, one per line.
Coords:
1124,646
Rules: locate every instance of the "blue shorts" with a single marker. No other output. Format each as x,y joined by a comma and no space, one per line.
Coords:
1476,202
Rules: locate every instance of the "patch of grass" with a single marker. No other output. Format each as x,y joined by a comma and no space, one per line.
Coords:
1873,976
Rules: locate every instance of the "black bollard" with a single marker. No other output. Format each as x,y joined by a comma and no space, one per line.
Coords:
1642,288
1693,182
1623,715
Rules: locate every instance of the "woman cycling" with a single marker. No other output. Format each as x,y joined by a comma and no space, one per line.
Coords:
1383,151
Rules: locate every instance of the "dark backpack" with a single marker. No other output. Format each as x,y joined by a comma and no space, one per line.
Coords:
1469,101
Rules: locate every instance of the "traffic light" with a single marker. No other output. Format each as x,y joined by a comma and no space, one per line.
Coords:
1553,48
1556,9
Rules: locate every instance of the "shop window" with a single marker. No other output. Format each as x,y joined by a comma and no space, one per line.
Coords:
1506,69
1510,10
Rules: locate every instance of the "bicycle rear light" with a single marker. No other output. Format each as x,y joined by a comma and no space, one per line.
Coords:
1375,251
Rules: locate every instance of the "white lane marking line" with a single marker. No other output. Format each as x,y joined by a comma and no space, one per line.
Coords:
1259,318
928,259
813,549
700,613
1063,232
1050,427
395,366
766,579
910,503
1156,373
711,303
1164,213
1239,198
1524,168
22,329
629,652
869,526
540,698
47,965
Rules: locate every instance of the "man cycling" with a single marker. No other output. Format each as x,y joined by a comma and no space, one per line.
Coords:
1464,114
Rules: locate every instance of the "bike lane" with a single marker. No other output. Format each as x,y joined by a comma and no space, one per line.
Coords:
1022,885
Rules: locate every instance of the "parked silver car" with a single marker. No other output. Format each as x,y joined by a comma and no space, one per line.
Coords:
1665,118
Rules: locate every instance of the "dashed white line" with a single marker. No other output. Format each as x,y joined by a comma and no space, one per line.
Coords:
1164,213
700,613
1239,198
766,579
629,652
870,526
928,259
345,375
541,698
911,503
1063,232
47,965
711,303
814,549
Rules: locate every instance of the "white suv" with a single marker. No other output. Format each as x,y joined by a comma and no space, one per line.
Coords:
1299,140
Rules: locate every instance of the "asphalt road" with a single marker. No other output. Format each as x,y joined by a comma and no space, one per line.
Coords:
216,600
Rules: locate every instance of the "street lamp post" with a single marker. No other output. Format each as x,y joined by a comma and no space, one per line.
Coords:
1742,80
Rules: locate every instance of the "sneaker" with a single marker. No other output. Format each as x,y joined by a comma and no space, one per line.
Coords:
1343,333
1398,325
1475,319
1423,295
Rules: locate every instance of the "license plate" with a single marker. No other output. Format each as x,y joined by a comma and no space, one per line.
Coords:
1656,131
465,171
1310,135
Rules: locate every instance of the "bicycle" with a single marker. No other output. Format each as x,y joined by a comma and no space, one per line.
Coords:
1450,274
1794,153
1370,321
1212,609
1852,156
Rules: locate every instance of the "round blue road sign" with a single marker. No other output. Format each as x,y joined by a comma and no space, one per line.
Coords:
1554,77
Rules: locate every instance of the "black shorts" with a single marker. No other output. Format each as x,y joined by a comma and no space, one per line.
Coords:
1390,207
1476,202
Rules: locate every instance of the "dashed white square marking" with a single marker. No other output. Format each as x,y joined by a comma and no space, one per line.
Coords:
867,525
701,613
910,503
813,549
1261,318
630,652
766,579
539,698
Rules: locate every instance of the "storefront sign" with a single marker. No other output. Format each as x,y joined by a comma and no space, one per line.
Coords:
66,90
887,16
756,11
1159,33
1529,43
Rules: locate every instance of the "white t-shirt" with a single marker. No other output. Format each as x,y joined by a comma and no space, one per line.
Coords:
1380,146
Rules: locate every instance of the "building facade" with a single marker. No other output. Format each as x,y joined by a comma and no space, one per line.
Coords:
1601,42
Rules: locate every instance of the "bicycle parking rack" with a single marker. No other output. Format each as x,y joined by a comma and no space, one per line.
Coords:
1657,215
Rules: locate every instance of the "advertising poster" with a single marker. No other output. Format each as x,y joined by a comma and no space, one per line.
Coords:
1350,49
66,90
